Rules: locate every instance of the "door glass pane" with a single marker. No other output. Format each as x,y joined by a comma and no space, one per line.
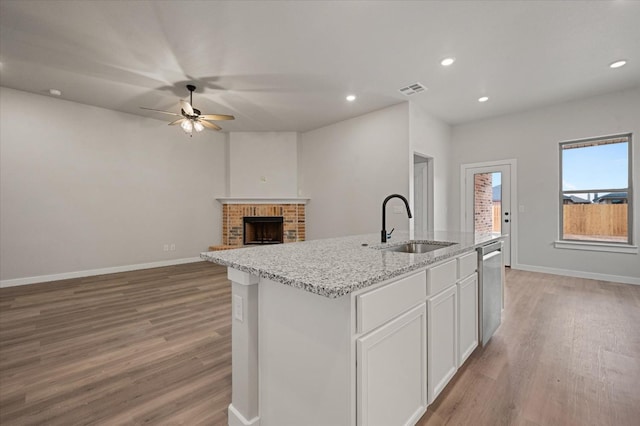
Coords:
496,185
487,198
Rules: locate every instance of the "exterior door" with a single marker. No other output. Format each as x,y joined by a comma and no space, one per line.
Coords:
487,205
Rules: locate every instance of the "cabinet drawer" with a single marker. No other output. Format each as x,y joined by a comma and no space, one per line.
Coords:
382,304
441,276
467,264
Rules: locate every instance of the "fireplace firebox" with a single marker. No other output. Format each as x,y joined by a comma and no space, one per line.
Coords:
262,230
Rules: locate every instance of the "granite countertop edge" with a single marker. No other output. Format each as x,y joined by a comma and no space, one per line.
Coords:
338,289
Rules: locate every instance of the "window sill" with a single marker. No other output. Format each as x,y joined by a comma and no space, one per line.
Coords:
591,246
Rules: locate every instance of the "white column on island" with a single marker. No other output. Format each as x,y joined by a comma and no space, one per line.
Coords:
244,408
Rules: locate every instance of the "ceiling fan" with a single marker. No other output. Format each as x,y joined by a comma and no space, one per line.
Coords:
191,119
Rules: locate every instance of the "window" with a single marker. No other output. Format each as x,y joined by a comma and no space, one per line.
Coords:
596,190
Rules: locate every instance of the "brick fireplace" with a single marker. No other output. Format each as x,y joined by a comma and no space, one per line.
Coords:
234,212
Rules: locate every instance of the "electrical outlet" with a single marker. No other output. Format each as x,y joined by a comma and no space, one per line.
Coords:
173,247
237,308
165,247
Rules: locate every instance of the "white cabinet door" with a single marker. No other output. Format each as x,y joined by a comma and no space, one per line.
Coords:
391,371
442,340
467,317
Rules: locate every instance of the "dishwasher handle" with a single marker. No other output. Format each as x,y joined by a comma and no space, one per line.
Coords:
490,255
493,247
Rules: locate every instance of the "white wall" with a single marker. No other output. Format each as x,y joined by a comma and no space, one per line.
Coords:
432,137
263,164
348,168
85,188
532,138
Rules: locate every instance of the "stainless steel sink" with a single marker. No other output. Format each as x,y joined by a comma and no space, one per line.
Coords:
419,246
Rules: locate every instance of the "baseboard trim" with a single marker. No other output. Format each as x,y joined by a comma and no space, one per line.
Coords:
578,274
92,272
237,419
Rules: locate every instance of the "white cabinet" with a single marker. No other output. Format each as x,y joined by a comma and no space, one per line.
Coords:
467,264
442,340
467,305
441,276
378,356
391,371
467,317
378,306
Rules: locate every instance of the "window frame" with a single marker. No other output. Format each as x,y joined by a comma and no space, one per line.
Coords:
567,243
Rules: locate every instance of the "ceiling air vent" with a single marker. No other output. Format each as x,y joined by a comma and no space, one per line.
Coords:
412,89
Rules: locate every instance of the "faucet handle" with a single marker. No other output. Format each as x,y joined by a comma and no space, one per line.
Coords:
390,232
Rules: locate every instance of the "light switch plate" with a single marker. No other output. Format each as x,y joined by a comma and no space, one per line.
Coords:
237,308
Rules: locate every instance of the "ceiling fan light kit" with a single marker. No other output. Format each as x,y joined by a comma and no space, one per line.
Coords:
187,126
191,119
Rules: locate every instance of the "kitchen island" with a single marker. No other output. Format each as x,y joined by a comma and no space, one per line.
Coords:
344,331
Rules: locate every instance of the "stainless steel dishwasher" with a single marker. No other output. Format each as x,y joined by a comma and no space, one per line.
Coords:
490,285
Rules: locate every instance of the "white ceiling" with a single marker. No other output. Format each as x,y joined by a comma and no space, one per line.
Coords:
285,66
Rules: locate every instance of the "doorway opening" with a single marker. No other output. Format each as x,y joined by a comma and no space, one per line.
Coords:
422,193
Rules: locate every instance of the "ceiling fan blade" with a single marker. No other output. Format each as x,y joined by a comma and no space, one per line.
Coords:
178,121
159,110
210,125
217,117
186,107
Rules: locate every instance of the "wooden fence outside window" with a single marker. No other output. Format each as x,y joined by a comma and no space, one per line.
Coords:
608,222
599,220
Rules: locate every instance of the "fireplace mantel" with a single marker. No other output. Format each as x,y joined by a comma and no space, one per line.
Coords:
262,200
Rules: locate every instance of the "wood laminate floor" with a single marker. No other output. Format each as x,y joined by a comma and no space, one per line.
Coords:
154,347
143,347
567,353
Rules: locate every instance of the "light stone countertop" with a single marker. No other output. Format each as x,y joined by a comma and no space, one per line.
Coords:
335,267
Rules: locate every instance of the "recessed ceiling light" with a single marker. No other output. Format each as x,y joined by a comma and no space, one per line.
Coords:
618,64
55,92
447,61
351,98
483,99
